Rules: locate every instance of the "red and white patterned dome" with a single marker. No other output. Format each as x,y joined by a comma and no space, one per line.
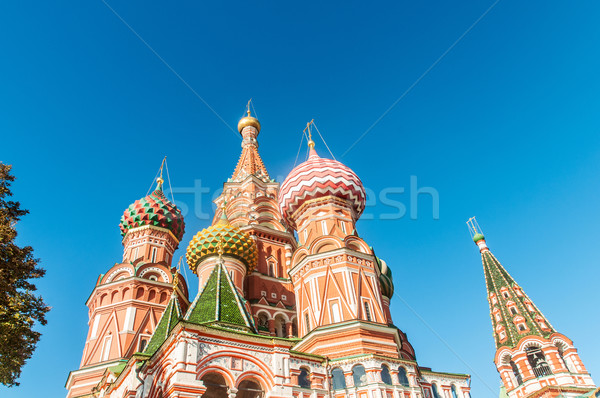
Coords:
317,178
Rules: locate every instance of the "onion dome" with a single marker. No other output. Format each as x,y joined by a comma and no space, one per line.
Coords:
386,282
248,121
222,239
478,237
154,210
317,178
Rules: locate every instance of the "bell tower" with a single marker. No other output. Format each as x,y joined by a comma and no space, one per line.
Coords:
532,358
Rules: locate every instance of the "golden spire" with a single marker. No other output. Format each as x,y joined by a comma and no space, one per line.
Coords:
176,276
223,219
248,120
220,249
160,180
311,143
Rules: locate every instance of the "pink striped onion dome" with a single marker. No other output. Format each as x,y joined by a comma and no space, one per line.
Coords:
154,210
316,178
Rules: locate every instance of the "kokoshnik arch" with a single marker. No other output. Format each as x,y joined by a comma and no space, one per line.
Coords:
292,302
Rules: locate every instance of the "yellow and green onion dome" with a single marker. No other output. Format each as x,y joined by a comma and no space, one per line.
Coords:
225,239
386,281
154,210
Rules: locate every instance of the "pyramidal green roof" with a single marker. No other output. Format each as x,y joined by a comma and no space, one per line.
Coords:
220,303
510,306
167,322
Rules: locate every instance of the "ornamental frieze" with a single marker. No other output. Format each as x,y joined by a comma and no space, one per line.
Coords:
209,346
330,261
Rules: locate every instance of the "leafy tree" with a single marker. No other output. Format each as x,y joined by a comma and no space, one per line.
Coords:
20,308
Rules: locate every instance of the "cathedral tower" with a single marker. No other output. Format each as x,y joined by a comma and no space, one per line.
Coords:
249,202
341,301
533,359
129,299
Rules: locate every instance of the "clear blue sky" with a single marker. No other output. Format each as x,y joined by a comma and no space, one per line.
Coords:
504,127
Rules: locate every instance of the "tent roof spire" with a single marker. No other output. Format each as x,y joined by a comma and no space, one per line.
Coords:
513,313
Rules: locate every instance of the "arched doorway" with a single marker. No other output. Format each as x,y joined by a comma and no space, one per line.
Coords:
215,384
250,389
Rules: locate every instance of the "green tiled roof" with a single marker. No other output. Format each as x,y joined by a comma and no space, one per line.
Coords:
497,281
166,323
219,302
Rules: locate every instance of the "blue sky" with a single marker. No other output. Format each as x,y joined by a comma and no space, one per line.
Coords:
504,127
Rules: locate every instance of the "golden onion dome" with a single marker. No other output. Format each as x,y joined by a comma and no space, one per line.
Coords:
248,121
222,239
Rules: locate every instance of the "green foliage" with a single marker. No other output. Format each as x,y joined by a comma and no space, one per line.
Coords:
20,308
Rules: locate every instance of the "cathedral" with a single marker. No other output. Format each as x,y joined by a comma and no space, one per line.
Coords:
292,303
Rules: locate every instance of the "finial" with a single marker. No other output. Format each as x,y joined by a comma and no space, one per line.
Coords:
223,219
160,180
477,234
311,143
248,120
220,248
176,276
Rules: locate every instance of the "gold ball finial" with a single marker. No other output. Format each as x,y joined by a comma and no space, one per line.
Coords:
311,144
159,183
248,121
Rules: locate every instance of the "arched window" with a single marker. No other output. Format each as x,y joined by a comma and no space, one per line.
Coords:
561,354
295,328
338,379
249,389
493,297
215,384
518,291
106,348
403,377
280,326
367,311
385,375
263,322
307,322
359,375
303,378
335,312
163,297
513,310
537,360
271,269
453,390
143,343
434,389
516,373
